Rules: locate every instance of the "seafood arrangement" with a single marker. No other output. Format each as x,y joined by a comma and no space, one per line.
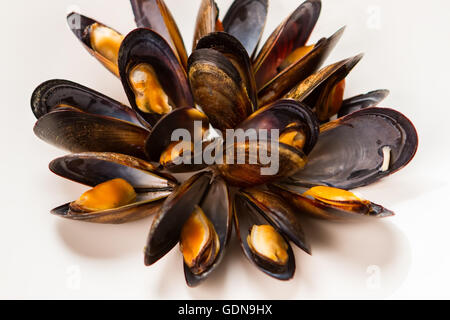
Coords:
327,145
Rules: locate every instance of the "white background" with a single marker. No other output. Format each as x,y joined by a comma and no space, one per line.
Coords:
41,256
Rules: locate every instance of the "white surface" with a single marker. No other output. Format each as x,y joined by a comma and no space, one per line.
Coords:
406,46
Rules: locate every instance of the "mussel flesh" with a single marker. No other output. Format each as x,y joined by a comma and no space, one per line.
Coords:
124,188
331,203
100,40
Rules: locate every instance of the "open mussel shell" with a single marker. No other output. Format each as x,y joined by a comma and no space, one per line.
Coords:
154,15
359,149
329,211
94,168
282,114
218,88
144,46
146,204
314,90
245,20
161,136
246,215
80,26
281,214
217,207
362,101
293,33
54,94
249,167
207,20
280,84
231,48
176,210
78,131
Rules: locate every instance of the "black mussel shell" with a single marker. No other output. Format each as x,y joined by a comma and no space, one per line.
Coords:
293,33
362,101
177,208
217,206
280,213
154,15
281,114
93,168
280,85
54,94
77,131
236,53
349,152
161,136
146,46
245,216
218,88
245,20
319,209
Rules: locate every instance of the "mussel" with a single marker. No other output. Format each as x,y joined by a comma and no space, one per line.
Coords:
79,119
290,35
154,15
263,242
330,203
324,91
218,88
245,20
207,21
293,122
171,154
198,215
359,149
124,188
100,40
362,101
152,76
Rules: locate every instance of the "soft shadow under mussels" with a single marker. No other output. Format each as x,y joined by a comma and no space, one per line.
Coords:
355,244
101,241
363,246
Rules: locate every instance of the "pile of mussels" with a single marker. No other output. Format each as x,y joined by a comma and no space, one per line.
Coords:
326,145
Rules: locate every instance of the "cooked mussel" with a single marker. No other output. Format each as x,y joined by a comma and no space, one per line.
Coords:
124,188
153,78
247,161
330,203
262,242
78,131
324,91
163,146
233,50
59,94
359,149
154,15
296,67
198,214
207,21
245,20
218,88
100,40
290,35
279,213
199,242
217,208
